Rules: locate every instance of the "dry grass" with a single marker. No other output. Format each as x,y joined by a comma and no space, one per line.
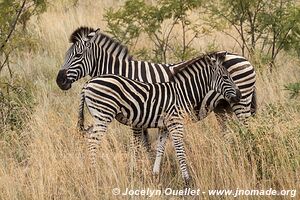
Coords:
48,160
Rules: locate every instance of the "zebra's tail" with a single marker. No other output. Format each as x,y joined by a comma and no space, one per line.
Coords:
80,123
253,107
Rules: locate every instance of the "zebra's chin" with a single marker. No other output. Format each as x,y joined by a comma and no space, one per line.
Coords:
65,86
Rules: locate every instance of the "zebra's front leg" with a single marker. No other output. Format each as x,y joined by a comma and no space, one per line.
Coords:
175,128
160,149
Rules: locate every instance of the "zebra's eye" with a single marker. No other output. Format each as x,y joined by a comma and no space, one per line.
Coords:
79,51
88,44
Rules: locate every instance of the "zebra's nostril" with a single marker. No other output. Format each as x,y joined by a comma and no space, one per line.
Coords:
236,98
61,77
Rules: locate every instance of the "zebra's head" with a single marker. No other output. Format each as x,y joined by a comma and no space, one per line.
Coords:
78,62
91,54
222,81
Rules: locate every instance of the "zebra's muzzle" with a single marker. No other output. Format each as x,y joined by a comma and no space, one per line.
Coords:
62,81
236,98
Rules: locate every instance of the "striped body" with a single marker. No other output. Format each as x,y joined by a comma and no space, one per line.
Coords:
132,103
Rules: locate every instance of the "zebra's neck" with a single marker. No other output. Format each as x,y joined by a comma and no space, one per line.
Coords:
111,57
136,70
192,85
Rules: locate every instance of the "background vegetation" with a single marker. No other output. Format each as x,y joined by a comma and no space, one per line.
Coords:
41,153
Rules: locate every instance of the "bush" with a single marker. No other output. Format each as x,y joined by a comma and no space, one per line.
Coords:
16,102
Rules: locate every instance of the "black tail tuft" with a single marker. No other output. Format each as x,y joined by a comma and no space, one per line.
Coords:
253,107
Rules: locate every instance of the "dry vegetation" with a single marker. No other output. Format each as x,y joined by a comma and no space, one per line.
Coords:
48,160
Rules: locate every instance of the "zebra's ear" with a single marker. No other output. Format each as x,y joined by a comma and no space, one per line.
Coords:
93,33
97,31
221,55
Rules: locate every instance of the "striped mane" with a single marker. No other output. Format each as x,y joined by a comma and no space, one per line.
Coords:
176,68
80,33
118,50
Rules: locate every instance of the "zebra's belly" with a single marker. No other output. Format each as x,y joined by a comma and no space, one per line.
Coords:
143,122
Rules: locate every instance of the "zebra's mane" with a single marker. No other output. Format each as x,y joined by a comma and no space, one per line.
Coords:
121,49
216,54
176,68
80,33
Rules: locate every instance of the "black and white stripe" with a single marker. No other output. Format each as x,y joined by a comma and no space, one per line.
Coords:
157,105
94,53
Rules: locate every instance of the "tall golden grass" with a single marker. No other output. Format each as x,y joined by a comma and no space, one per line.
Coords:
48,160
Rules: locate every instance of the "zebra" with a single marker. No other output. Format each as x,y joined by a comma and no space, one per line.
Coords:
94,53
243,75
156,105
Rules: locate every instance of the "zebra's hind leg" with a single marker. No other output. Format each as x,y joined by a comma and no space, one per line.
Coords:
94,138
137,140
175,128
160,149
146,142
141,138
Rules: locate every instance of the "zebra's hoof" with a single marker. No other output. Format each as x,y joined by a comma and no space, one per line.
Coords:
85,131
156,178
187,183
89,128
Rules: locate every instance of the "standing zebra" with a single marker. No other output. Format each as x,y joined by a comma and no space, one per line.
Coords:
94,53
156,105
243,75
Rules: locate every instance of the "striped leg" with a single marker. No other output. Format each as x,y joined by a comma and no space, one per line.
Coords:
160,149
137,139
175,128
94,139
146,142
245,108
80,123
141,138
